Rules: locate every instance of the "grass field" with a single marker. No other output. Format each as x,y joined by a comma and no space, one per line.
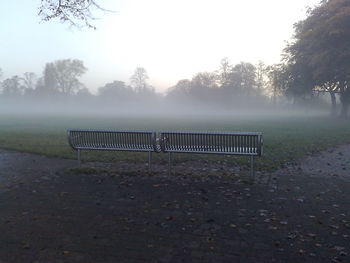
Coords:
285,138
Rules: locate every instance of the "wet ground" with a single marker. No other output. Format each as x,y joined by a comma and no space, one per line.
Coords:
206,213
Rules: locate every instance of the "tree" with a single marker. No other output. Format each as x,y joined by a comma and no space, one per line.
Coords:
0,76
332,89
29,81
277,80
77,13
139,80
180,90
12,87
116,91
224,72
84,95
242,79
204,80
203,87
261,77
298,83
49,81
319,56
61,77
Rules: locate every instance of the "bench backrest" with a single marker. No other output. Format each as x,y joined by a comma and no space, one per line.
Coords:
113,140
235,143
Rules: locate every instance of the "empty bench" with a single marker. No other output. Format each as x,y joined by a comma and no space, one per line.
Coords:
227,143
139,141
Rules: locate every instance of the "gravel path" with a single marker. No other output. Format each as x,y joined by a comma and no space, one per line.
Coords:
50,213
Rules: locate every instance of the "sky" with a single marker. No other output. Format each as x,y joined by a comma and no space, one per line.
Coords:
172,40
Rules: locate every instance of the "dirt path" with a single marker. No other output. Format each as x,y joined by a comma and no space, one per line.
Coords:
18,168
51,215
334,162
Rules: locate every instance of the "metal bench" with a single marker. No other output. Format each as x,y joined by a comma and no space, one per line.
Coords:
227,143
140,141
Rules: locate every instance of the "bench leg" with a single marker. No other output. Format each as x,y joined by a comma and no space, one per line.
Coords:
252,174
150,161
79,160
169,163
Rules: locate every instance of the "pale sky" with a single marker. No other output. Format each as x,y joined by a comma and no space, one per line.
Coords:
172,40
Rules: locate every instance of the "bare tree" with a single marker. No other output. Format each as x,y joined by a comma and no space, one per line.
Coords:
224,71
29,80
77,13
139,80
261,77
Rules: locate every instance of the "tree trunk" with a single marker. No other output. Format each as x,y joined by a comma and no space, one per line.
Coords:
344,109
344,99
334,104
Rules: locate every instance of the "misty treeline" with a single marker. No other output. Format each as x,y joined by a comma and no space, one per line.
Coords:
243,85
315,65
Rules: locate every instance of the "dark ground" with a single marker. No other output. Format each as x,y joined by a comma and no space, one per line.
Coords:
51,213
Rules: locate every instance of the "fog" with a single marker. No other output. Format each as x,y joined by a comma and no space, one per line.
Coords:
237,91
160,105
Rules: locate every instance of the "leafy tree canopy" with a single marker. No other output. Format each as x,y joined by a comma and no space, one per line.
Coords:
322,41
320,52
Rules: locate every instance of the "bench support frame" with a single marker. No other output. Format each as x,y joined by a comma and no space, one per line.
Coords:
79,157
150,161
252,172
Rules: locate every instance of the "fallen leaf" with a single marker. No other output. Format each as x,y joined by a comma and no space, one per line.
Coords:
339,248
311,235
25,246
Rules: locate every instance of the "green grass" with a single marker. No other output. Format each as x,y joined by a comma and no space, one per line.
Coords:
285,139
